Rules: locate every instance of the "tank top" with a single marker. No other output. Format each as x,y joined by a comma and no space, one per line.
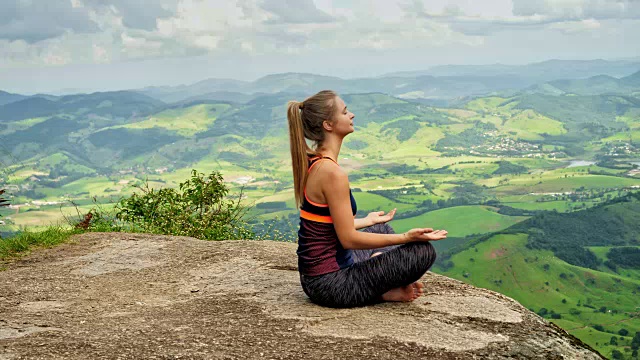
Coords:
319,250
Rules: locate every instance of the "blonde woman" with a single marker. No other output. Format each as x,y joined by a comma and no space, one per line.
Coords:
340,266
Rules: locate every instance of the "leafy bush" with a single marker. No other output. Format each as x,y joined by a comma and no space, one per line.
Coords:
199,208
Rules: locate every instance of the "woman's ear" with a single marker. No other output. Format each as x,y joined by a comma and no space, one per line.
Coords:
327,125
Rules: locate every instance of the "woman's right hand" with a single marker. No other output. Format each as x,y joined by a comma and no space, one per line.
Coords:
425,234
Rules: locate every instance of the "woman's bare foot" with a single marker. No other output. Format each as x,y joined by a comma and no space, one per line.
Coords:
418,287
403,294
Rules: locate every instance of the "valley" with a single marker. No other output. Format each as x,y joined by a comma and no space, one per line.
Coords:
537,188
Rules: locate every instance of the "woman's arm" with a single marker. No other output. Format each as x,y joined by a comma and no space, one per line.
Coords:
373,218
336,192
362,223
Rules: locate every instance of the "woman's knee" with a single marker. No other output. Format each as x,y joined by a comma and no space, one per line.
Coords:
426,253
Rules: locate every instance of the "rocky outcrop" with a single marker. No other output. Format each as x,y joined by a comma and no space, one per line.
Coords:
114,295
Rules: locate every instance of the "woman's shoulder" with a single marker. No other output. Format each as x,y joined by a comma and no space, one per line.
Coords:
334,172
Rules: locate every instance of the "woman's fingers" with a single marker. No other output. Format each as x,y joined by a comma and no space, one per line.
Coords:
435,235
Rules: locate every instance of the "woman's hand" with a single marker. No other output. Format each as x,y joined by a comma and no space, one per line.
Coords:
379,217
425,234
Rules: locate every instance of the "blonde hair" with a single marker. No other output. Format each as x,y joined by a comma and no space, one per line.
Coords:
305,121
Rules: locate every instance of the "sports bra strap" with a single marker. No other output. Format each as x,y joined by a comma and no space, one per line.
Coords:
316,159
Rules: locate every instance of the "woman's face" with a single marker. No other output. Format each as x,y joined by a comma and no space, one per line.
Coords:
342,119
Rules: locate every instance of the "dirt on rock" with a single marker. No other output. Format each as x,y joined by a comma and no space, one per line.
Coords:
138,296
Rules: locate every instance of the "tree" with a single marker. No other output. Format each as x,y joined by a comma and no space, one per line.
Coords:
635,342
3,201
623,332
615,354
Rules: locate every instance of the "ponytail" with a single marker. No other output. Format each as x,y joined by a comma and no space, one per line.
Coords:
299,149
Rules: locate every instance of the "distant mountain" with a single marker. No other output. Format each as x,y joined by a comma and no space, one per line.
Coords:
118,104
441,83
6,98
600,84
172,94
419,88
537,72
220,96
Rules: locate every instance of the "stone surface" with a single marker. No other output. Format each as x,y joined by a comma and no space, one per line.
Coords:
114,295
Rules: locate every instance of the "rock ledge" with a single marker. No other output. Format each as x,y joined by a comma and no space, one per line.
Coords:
114,295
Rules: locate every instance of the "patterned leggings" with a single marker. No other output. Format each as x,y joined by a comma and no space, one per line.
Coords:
364,282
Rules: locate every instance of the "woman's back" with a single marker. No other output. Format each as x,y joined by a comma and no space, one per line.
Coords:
319,250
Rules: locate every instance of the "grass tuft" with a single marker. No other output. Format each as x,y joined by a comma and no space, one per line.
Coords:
22,242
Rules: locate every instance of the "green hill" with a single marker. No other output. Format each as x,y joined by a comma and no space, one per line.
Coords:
580,269
116,104
590,304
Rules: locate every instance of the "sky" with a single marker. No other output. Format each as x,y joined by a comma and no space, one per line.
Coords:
64,46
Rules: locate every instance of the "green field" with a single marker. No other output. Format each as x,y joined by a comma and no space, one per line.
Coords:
460,221
186,122
537,279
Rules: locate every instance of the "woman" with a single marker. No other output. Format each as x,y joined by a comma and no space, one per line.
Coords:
387,266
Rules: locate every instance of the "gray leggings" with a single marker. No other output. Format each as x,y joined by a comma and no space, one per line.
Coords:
364,282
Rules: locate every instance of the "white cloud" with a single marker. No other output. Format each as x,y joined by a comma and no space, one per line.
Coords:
579,9
103,31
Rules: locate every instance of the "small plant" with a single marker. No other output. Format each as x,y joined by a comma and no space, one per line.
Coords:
199,208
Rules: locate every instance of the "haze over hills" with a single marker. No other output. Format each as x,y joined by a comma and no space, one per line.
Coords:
599,84
439,85
6,97
538,72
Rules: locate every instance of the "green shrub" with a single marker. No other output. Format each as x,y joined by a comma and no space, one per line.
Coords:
198,208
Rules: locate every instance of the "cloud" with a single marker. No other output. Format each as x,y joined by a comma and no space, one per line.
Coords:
103,31
33,21
578,9
568,16
295,12
136,14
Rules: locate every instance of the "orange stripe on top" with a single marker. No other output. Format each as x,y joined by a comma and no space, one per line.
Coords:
317,218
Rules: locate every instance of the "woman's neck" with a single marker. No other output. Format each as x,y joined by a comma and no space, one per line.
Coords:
331,148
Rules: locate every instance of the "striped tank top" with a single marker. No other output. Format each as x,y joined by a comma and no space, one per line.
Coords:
319,250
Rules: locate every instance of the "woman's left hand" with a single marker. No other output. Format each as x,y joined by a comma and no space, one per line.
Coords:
379,217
